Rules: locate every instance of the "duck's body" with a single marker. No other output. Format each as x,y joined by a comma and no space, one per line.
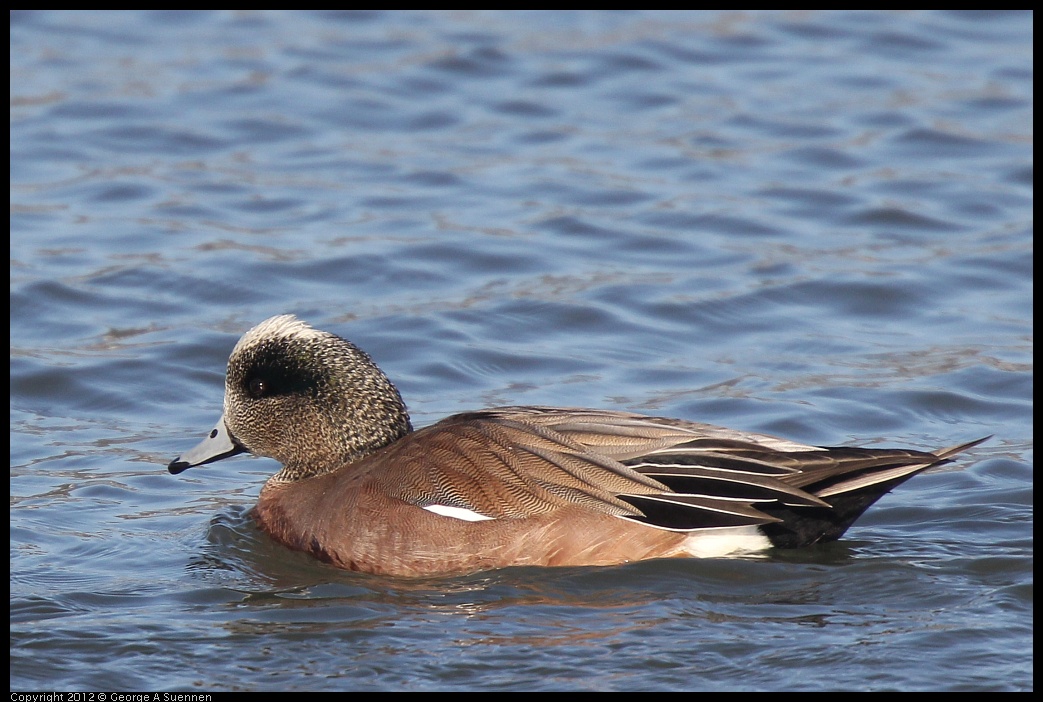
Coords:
515,485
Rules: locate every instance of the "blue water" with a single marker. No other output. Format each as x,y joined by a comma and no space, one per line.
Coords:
813,224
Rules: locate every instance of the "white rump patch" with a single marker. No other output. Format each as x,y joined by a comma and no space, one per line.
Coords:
461,513
727,541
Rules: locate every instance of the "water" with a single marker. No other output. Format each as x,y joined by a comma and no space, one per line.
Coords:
815,224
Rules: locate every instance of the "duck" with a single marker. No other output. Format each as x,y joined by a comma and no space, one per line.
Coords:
362,490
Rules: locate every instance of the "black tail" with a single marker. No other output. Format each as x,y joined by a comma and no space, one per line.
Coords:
803,526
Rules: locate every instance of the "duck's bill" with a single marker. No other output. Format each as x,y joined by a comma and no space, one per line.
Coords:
218,444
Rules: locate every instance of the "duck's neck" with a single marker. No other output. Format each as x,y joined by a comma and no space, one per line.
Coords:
362,438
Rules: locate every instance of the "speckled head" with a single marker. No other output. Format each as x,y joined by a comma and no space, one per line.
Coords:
307,398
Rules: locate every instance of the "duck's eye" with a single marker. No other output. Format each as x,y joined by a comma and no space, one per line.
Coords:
258,388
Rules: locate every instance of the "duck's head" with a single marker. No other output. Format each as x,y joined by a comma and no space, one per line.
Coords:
307,398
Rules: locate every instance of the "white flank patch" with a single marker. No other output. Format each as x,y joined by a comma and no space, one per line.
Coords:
462,513
729,541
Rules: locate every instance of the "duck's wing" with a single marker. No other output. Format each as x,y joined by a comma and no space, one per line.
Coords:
516,462
498,464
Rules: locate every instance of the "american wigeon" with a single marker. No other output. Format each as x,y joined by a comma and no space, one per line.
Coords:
360,489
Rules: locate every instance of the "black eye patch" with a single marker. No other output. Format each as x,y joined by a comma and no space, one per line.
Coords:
269,382
271,371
